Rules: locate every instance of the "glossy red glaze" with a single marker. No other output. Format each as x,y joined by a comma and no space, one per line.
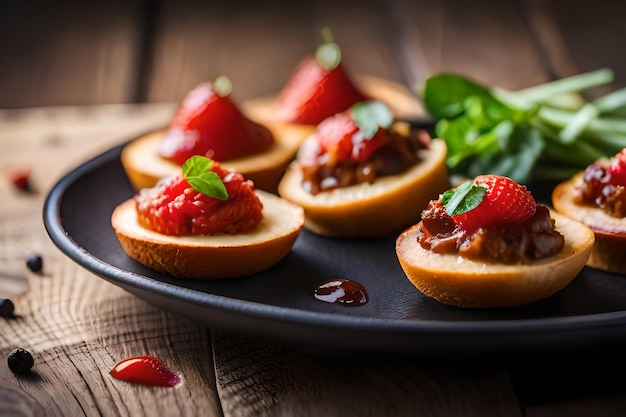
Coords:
210,125
146,370
174,208
312,93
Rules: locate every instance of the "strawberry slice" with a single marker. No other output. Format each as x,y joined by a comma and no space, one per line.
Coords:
617,169
487,201
319,88
209,124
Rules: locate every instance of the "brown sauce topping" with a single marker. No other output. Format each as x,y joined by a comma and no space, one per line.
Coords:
342,291
397,155
534,238
597,190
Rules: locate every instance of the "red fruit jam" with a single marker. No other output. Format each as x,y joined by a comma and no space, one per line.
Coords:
174,208
211,125
146,370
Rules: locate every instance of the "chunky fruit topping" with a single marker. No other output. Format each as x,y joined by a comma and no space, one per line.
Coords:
319,88
491,218
488,200
355,146
604,185
209,124
206,199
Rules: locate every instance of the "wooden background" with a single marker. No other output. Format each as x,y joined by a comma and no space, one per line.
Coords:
80,53
79,77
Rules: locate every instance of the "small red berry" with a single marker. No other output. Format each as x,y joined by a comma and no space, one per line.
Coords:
21,180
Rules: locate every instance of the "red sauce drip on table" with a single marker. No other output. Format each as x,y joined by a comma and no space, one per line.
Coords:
342,291
146,370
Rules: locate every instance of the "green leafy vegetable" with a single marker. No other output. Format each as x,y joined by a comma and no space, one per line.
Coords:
369,116
463,198
543,132
197,172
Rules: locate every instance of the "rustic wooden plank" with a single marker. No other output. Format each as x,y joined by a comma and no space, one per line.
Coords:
77,325
75,53
260,379
487,40
592,33
259,44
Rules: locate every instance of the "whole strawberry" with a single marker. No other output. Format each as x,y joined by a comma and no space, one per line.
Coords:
208,123
319,88
487,201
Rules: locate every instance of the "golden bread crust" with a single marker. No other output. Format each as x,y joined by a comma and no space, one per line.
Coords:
461,282
610,246
215,256
368,210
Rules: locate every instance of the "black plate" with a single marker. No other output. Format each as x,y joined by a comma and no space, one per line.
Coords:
279,303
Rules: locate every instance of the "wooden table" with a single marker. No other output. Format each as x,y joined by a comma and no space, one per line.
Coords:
78,326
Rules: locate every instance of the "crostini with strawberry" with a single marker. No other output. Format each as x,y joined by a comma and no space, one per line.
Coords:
206,222
363,174
487,243
597,198
210,123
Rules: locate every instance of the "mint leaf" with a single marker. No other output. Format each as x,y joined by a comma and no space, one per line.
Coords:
369,116
197,172
463,198
328,54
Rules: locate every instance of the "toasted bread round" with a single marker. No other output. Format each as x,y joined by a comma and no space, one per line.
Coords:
457,281
371,209
216,256
144,166
610,246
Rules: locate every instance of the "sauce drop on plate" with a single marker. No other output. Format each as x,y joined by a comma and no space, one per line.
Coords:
146,370
342,291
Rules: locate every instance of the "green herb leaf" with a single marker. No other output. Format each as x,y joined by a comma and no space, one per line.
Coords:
197,172
328,54
369,116
463,198
222,86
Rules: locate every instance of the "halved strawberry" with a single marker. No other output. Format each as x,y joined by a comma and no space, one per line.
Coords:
209,124
617,169
319,88
489,200
353,134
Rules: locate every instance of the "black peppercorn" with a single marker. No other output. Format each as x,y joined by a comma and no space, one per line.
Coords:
7,308
34,262
20,361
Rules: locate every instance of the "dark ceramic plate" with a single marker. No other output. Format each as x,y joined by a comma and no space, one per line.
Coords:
278,304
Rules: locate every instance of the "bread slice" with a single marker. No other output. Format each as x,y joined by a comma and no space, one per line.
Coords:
462,282
371,210
144,166
610,246
215,256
